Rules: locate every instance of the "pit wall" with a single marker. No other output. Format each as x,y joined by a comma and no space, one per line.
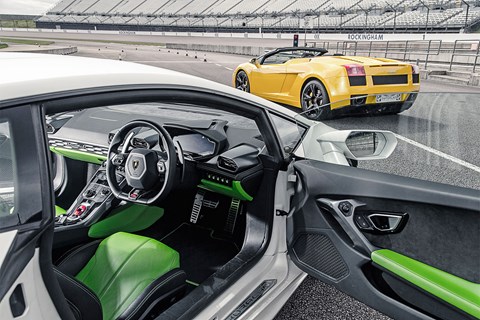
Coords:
446,37
363,39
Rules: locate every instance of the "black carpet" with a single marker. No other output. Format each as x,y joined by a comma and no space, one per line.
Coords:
200,254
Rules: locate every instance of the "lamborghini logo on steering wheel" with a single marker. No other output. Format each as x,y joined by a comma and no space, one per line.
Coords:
135,164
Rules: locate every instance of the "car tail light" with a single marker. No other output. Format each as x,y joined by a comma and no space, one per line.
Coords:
415,69
355,70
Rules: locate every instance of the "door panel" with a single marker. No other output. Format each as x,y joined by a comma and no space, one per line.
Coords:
427,268
28,297
268,80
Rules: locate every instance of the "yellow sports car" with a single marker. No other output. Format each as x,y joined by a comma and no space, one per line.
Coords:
307,78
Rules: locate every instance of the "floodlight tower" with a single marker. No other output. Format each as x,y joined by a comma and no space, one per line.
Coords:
428,14
394,17
466,14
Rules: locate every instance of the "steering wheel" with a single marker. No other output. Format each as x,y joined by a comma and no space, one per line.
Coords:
149,174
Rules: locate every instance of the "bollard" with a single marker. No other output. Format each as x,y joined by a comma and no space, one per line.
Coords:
186,53
177,52
168,51
98,49
159,49
195,54
120,56
122,50
204,57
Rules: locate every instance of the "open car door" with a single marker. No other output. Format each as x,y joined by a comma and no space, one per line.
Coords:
28,287
409,248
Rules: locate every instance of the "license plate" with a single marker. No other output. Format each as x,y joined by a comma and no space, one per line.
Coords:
393,97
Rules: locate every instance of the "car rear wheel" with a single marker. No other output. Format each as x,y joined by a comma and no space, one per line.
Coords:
313,98
242,82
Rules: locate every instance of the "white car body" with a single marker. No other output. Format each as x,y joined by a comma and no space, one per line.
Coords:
36,75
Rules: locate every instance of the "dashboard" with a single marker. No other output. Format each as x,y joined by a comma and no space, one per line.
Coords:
223,154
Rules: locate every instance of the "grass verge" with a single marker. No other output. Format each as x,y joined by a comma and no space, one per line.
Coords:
26,41
3,45
138,43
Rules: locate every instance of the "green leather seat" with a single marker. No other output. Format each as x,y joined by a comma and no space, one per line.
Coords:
59,211
126,272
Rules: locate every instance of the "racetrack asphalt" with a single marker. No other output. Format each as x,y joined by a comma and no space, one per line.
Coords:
451,129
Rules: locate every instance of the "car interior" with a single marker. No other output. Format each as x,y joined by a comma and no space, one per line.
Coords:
183,208
137,234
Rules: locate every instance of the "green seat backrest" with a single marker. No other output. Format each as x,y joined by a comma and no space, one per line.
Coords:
122,267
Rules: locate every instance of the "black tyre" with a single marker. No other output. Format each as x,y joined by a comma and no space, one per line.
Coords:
312,98
242,82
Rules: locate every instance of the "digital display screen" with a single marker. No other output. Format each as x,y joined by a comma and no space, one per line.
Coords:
196,144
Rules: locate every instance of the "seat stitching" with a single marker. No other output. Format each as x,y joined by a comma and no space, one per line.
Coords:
73,306
67,255
152,292
79,285
120,305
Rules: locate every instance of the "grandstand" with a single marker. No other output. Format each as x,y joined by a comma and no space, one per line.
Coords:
267,15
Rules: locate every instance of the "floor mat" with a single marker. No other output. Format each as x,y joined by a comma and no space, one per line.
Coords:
200,253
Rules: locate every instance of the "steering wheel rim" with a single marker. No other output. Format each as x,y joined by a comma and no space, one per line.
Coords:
124,135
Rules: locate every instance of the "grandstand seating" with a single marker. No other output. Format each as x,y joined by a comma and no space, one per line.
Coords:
247,15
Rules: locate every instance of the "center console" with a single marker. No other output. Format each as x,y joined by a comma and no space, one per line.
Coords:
94,200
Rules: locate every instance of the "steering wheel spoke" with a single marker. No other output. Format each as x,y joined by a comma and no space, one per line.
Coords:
161,167
119,159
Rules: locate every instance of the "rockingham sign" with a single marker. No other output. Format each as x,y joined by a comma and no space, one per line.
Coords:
365,36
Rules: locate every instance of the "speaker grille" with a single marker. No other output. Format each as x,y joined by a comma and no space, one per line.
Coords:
318,252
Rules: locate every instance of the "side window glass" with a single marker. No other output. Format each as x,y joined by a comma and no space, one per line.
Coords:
7,171
290,133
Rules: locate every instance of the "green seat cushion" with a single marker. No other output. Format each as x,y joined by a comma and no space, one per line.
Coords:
127,218
122,267
59,211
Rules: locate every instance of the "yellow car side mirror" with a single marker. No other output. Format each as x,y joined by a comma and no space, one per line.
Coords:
255,62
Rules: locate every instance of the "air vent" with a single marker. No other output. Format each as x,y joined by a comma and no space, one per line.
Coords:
50,128
65,144
227,164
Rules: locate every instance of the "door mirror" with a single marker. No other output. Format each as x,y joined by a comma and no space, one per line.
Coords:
364,143
360,144
255,62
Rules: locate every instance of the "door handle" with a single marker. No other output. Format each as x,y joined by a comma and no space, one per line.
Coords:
387,222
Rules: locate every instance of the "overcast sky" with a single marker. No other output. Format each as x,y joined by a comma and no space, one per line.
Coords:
35,7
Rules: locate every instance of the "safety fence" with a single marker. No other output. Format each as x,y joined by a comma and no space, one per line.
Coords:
463,53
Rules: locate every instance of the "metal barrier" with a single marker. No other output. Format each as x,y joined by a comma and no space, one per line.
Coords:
460,52
423,51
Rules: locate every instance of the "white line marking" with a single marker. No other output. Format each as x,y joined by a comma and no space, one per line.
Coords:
228,68
439,153
218,65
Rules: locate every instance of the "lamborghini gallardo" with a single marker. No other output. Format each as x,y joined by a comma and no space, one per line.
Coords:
307,78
